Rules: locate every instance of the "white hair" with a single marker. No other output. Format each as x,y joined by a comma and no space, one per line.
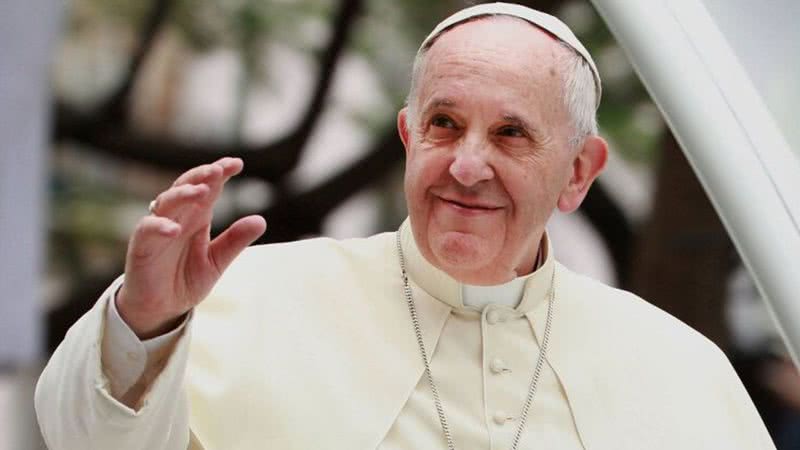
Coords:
580,94
578,87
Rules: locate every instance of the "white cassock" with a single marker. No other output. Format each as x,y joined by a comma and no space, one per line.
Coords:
309,345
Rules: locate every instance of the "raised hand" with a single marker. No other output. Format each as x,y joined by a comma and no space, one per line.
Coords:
172,264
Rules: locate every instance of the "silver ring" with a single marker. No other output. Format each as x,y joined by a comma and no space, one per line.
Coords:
152,207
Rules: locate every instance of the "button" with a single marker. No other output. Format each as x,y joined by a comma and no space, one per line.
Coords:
501,418
499,366
493,317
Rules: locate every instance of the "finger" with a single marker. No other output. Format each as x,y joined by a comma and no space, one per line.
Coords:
170,202
151,235
227,167
227,246
200,174
230,167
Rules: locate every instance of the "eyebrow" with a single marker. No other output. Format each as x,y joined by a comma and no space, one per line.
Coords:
439,102
522,123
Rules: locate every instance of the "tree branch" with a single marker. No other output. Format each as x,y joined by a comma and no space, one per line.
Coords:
104,132
342,26
109,137
303,214
116,104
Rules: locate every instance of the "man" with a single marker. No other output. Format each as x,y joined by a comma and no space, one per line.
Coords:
458,331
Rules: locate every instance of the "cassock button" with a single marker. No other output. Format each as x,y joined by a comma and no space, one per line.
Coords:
493,317
501,418
498,366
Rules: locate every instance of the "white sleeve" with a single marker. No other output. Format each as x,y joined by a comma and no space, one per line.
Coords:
75,407
125,358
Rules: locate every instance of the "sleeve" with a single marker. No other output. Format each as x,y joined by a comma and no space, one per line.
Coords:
125,358
76,409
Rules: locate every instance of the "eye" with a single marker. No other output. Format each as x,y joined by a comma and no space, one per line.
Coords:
510,131
441,121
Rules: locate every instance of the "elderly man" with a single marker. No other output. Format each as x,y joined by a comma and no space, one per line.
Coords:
460,330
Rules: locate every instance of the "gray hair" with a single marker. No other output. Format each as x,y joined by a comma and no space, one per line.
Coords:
578,87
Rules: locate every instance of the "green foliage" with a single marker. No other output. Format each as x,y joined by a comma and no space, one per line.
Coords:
121,12
244,24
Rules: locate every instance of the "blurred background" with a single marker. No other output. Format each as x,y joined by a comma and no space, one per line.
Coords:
104,102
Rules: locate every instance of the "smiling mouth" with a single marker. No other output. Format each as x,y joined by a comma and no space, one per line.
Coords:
474,207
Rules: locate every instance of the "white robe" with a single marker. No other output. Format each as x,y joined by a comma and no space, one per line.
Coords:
310,345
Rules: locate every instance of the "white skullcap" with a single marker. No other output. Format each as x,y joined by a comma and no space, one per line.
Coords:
542,20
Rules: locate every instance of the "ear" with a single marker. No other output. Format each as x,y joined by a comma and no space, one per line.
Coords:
402,127
586,166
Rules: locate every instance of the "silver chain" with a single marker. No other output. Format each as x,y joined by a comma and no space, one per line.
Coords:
436,399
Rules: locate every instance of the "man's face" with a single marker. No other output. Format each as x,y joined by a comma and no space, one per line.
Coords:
487,149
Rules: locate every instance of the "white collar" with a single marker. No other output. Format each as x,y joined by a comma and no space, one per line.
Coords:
506,294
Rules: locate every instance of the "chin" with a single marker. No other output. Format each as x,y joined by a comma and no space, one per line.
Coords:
461,252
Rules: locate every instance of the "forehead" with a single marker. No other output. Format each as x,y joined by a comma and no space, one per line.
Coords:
496,47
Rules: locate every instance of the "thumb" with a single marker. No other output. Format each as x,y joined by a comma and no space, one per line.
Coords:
227,246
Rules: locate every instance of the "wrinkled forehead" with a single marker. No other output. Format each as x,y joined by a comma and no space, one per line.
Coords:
498,38
492,51
484,19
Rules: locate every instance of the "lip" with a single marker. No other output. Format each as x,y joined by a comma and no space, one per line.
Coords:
469,207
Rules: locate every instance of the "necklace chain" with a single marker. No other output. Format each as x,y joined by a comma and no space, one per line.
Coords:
421,343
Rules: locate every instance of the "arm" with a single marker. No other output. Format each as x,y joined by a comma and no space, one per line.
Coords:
128,361
75,406
171,266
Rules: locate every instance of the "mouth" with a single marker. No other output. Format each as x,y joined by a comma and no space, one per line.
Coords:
469,206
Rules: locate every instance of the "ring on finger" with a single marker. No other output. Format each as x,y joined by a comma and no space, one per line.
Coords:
152,207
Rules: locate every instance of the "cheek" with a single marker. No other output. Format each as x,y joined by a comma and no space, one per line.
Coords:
534,195
416,185
424,170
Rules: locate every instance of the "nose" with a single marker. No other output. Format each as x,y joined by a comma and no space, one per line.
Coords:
470,165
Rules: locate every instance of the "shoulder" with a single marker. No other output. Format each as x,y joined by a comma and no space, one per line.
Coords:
316,252
635,357
317,260
293,286
625,321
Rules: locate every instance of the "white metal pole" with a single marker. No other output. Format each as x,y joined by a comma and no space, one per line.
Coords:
28,33
729,137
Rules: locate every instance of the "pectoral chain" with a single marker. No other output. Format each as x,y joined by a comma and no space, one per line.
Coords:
523,417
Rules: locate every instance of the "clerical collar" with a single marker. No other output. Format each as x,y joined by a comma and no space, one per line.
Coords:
522,293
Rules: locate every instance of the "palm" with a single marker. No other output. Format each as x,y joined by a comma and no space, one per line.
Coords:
172,264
